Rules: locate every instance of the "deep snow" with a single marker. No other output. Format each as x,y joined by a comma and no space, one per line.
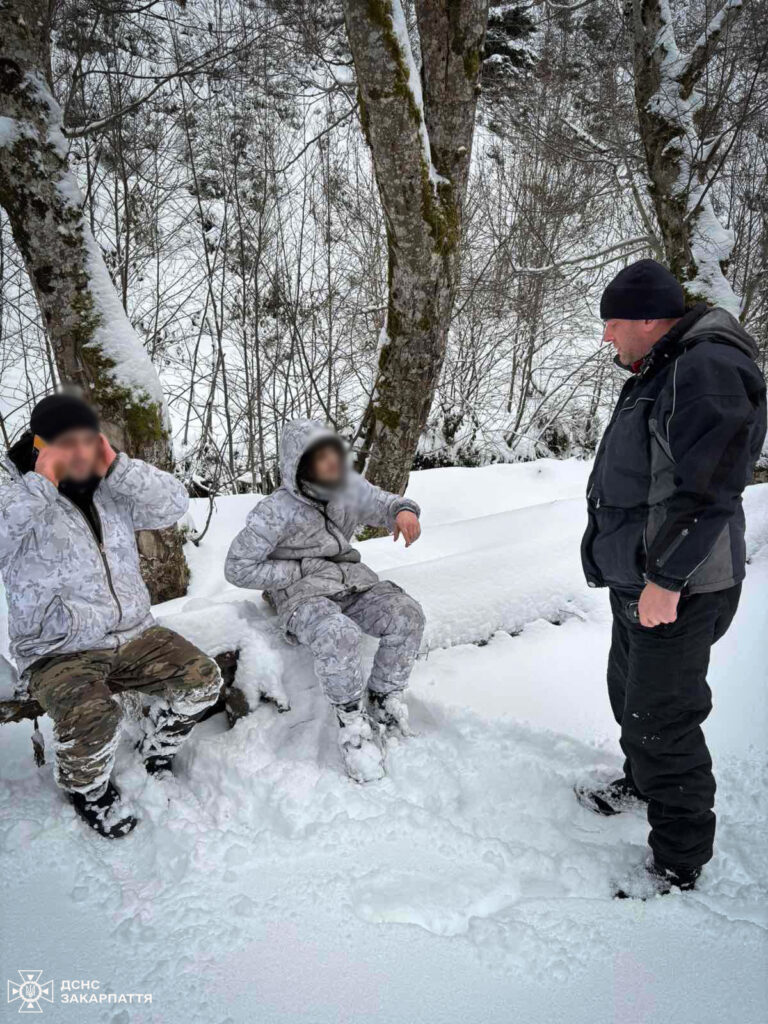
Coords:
467,886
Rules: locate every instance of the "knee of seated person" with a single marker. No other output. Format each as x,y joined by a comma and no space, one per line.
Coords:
90,722
409,616
204,671
336,632
202,681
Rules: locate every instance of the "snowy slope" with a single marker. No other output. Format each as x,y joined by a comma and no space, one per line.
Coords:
468,886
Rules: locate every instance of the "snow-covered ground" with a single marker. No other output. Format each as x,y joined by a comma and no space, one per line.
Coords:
468,886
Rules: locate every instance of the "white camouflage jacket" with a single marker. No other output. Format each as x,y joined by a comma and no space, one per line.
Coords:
297,548
65,591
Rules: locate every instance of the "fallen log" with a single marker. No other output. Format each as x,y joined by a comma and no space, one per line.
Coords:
18,708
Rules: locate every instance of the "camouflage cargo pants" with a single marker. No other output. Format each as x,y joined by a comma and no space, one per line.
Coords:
77,691
331,628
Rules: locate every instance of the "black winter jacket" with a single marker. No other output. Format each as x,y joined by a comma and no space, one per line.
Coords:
664,497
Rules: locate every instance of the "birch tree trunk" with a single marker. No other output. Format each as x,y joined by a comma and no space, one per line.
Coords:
681,167
419,128
94,344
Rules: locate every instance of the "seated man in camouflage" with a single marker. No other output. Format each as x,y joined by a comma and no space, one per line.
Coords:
79,617
296,547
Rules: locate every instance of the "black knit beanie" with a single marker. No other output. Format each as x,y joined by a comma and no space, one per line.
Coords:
643,291
56,414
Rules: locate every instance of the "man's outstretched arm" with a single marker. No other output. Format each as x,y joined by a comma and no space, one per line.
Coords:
392,511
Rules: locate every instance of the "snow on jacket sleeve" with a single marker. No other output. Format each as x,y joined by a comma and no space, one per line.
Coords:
248,562
377,507
156,499
23,499
711,435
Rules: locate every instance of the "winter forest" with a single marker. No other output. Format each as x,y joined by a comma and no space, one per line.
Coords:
306,773
243,240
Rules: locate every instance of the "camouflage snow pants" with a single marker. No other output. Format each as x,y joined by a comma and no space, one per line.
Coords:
77,691
331,628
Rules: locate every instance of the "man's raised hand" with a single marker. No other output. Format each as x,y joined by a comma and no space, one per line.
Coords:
407,523
106,457
51,463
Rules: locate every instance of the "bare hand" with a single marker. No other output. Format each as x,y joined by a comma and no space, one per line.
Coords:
407,523
51,462
106,456
657,606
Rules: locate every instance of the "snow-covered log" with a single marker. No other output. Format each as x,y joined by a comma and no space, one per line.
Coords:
93,341
419,125
668,95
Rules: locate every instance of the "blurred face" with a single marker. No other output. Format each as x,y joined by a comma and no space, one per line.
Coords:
327,465
79,453
634,339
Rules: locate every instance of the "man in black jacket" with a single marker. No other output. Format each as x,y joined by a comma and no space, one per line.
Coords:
666,534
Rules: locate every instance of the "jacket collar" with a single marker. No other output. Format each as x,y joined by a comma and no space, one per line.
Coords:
80,491
672,345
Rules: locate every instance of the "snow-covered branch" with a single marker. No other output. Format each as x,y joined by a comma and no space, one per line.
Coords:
703,49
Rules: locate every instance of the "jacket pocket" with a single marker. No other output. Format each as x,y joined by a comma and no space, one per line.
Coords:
57,627
671,548
616,545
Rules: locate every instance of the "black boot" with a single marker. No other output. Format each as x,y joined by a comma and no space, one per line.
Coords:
159,765
659,880
104,815
609,797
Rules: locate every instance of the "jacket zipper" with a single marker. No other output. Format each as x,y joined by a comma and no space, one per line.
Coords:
667,554
327,522
100,546
623,399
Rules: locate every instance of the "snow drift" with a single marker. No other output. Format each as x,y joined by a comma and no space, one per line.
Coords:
468,885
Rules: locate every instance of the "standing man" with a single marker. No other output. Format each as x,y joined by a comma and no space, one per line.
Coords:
79,614
666,535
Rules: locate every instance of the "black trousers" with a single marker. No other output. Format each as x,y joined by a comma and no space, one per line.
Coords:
657,684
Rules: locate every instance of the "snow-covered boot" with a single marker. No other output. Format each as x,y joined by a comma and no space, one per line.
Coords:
362,756
655,879
164,732
609,797
391,711
104,814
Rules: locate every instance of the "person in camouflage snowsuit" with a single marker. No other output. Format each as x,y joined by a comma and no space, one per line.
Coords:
296,547
80,625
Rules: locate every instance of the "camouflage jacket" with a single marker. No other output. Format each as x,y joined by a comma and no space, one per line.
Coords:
66,592
297,548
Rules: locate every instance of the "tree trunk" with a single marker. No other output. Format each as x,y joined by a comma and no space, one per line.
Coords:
680,167
94,344
419,128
